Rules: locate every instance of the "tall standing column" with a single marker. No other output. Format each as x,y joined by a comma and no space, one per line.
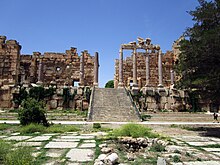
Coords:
39,78
121,82
147,69
135,67
172,77
160,74
81,77
96,70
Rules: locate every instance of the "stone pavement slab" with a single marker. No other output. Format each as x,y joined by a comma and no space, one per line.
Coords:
55,153
18,138
2,137
201,143
87,145
89,141
15,134
40,138
37,144
77,137
61,145
202,163
66,140
80,155
212,149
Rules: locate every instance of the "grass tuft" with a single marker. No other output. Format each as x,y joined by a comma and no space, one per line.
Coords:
133,130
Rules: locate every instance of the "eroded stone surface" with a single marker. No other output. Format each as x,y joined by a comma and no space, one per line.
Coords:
55,153
40,138
28,144
18,138
61,145
80,155
66,140
87,145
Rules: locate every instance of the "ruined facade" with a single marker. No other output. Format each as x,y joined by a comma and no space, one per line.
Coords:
151,68
48,69
167,67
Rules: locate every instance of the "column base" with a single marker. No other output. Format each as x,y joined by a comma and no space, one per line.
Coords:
121,85
95,84
134,89
39,83
160,86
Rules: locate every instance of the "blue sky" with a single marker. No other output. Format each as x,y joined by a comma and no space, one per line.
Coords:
93,25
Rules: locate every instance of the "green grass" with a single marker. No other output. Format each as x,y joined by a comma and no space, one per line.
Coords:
18,156
176,159
133,130
4,150
157,148
32,128
4,126
58,128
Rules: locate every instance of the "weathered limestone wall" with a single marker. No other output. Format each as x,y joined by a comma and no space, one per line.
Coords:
56,69
167,99
9,69
167,64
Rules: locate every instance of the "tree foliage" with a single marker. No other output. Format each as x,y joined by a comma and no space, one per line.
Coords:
109,84
200,52
32,111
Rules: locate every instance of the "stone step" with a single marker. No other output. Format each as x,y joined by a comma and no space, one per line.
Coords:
112,105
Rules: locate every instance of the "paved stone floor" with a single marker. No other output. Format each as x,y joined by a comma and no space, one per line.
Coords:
79,149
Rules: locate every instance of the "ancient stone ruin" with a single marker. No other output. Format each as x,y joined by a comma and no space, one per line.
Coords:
57,70
152,73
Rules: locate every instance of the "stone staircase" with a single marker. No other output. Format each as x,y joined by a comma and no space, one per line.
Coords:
111,105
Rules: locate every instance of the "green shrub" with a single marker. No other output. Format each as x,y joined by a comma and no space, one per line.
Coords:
4,149
96,125
32,111
176,158
19,156
31,128
157,148
134,130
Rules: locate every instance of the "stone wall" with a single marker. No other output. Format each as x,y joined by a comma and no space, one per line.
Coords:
48,69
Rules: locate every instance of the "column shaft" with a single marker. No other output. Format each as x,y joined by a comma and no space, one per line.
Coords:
39,78
96,69
135,67
160,74
147,69
121,82
172,77
81,78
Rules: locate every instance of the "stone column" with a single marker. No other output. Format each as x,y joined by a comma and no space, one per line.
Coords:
172,77
96,70
147,69
39,78
135,67
81,76
121,82
160,74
